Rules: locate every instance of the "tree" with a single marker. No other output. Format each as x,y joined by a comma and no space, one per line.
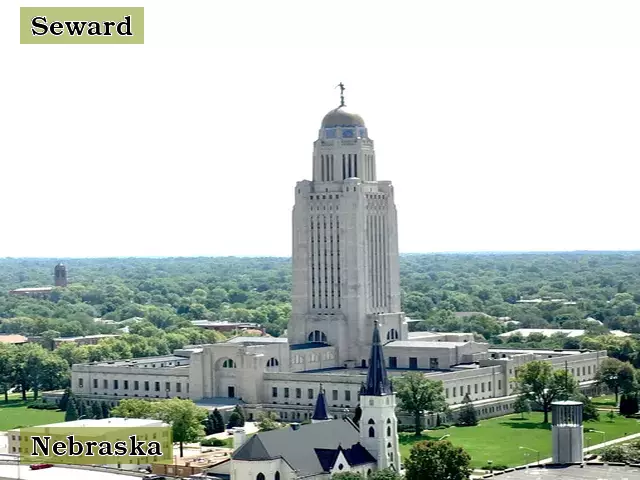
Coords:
236,419
437,460
268,421
72,411
628,405
185,418
214,422
616,375
135,408
104,406
7,372
348,476
467,416
218,422
357,414
386,474
64,400
589,410
96,411
540,383
522,405
418,394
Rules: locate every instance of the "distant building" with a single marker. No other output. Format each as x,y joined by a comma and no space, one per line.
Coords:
547,332
123,423
35,292
224,325
60,280
60,275
86,340
13,339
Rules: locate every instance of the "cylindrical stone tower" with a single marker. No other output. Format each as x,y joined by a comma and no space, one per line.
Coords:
60,275
567,432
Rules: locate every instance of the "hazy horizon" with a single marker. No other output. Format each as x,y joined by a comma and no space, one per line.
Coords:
495,252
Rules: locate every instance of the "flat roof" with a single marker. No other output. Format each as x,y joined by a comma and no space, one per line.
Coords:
257,340
141,361
533,350
105,422
423,344
11,338
55,473
574,472
32,289
73,339
222,323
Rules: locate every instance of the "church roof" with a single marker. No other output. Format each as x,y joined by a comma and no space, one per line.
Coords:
321,411
356,455
309,449
340,117
377,380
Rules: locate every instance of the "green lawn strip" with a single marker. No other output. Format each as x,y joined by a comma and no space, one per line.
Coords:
604,401
16,414
498,439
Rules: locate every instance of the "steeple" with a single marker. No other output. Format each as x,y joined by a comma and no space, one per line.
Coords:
377,381
321,412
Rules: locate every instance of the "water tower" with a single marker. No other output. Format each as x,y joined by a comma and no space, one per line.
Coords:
567,432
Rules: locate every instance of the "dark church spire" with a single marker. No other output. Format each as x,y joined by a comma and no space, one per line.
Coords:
377,381
321,412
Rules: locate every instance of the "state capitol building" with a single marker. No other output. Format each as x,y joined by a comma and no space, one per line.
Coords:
346,280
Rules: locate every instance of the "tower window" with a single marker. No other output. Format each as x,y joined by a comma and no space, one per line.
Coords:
372,432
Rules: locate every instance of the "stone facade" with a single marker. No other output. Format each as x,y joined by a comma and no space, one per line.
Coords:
345,279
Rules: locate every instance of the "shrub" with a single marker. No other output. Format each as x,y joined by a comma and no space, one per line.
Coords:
614,453
494,467
42,405
213,442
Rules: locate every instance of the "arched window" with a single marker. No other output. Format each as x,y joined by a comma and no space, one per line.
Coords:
393,334
389,445
372,432
260,476
276,476
388,431
317,336
273,362
228,363
388,420
369,473
371,422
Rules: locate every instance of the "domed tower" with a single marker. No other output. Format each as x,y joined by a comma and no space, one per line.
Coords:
60,275
345,245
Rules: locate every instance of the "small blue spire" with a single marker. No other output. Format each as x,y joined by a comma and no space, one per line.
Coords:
377,380
321,411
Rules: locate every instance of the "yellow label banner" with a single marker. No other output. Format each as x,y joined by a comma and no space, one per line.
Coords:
82,25
96,445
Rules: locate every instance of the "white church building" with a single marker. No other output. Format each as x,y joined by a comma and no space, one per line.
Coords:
327,446
346,279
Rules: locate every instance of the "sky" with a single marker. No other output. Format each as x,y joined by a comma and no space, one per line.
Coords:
503,125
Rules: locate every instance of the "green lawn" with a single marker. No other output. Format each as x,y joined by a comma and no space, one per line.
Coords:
498,439
16,414
604,401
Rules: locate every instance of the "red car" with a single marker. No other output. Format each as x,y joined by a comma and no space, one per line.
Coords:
40,466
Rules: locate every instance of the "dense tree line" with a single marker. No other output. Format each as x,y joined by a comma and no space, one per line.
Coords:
168,293
605,286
